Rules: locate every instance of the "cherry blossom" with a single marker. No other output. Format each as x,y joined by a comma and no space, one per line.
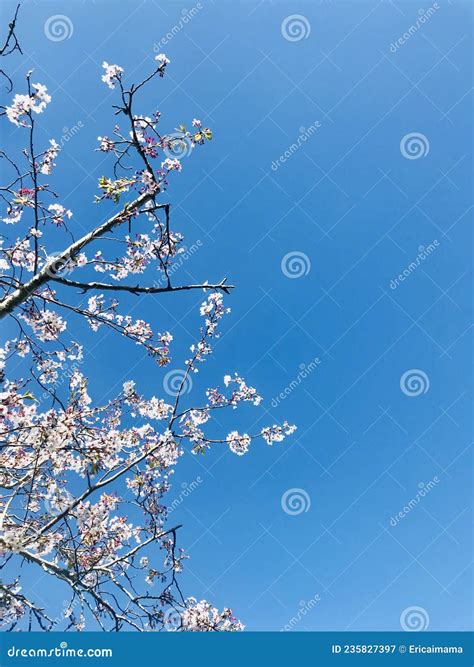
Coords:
238,444
86,476
24,105
171,164
203,617
113,74
48,157
162,59
59,212
13,215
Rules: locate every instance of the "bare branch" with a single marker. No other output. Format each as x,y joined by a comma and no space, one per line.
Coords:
10,44
137,289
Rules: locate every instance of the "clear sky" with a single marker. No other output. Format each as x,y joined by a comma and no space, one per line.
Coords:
360,200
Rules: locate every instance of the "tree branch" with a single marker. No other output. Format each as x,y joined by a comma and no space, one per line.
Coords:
58,262
137,289
7,48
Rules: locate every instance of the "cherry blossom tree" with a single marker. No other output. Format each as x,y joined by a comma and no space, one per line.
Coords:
74,470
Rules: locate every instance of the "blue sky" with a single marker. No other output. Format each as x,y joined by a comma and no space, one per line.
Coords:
359,211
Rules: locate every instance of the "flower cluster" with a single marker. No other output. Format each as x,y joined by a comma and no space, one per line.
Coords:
112,74
203,617
47,160
58,213
47,325
238,444
25,105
